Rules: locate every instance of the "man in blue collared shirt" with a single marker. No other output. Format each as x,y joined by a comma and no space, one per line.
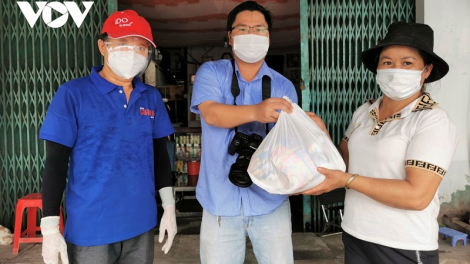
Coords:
109,130
230,212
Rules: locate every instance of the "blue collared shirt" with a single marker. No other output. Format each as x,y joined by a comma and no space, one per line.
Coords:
214,191
111,183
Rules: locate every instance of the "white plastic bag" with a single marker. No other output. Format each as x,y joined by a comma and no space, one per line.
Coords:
6,237
286,161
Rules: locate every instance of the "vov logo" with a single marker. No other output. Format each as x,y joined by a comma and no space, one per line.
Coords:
45,9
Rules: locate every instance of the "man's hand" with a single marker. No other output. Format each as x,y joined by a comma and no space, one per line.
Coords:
168,224
266,111
53,242
168,221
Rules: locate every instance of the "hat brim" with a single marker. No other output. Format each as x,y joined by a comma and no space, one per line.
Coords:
370,56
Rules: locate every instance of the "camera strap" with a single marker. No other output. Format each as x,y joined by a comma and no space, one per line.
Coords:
266,90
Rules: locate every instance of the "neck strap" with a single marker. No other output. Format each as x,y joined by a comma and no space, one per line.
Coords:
266,89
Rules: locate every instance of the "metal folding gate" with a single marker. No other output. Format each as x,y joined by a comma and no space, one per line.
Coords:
333,34
34,62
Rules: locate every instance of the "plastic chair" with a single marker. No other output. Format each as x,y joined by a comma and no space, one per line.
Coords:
31,202
332,202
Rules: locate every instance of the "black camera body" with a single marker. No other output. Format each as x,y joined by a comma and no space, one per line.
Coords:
245,146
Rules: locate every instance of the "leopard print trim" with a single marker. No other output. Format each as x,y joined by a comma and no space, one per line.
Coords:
375,129
393,117
425,103
426,166
373,114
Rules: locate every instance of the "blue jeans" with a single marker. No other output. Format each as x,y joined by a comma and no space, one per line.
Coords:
224,240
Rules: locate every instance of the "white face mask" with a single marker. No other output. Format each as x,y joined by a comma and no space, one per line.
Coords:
250,48
126,64
399,84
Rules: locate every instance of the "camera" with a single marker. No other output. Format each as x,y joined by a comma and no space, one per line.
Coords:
245,146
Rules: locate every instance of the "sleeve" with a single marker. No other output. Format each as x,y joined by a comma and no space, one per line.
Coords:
206,87
163,176
54,177
60,124
290,91
433,144
162,126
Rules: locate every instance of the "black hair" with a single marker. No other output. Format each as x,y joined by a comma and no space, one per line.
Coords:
249,6
103,36
426,59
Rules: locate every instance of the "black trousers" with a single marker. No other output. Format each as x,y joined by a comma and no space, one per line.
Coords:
358,251
136,250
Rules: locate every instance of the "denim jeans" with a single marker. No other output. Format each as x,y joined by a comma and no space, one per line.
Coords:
223,239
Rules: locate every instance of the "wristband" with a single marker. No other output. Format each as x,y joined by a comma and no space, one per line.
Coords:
346,186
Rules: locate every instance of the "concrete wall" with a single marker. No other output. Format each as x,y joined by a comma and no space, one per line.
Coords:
451,24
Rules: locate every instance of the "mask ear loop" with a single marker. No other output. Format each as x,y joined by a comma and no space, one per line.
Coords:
423,88
109,52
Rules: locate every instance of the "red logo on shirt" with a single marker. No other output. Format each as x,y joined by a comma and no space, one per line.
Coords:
147,112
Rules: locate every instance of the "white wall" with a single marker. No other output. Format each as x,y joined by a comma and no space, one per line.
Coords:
451,24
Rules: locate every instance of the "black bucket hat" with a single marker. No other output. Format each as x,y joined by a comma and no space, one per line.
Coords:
419,36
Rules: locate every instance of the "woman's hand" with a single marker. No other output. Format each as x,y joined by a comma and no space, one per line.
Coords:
334,179
319,122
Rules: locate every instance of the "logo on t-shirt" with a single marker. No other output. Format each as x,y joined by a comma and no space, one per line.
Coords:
147,112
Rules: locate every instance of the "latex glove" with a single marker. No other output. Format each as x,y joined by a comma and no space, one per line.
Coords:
168,221
53,242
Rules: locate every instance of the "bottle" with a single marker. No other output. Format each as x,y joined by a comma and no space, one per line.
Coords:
197,151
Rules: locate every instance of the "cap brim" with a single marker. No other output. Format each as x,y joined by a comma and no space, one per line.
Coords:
132,35
369,58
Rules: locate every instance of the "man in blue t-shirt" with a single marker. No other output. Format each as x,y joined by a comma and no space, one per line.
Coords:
108,131
228,95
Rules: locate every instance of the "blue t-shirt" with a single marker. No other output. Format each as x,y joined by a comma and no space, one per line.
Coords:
214,191
111,184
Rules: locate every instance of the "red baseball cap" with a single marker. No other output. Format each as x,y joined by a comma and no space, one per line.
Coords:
126,23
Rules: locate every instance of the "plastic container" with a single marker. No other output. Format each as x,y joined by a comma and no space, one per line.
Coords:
193,172
192,180
193,167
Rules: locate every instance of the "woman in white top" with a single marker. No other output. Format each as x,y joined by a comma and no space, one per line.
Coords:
398,149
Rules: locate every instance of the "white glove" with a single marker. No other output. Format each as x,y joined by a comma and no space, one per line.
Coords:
53,242
168,221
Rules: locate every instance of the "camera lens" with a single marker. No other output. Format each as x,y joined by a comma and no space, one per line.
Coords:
238,175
